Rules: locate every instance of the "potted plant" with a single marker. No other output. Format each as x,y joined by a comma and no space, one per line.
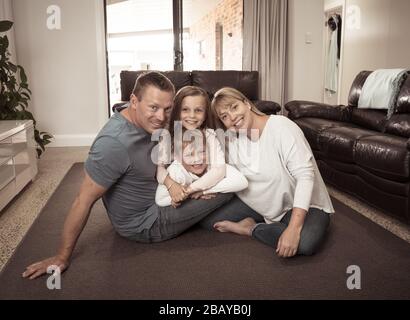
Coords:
14,91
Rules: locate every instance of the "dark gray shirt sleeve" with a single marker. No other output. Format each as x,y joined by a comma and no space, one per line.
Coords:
107,161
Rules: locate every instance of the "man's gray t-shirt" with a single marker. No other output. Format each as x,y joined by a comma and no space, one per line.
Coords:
120,161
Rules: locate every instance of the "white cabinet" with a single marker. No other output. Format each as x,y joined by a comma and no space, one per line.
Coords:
18,158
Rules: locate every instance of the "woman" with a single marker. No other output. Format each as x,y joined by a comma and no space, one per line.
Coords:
285,185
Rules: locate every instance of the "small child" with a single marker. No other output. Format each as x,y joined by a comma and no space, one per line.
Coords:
192,167
191,111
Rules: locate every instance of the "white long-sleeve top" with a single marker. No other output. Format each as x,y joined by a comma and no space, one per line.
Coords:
281,171
234,181
215,156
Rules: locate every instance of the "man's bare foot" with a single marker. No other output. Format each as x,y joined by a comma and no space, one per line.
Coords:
243,227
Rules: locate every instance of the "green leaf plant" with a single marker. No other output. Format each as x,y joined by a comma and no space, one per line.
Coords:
14,91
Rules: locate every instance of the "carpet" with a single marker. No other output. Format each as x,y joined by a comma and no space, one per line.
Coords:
206,265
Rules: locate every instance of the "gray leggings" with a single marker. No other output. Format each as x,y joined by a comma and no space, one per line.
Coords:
312,236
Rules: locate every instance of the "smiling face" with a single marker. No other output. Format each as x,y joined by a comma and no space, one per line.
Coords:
235,114
193,112
153,110
194,158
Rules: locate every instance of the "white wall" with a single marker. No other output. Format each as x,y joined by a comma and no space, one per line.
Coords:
66,68
305,62
382,41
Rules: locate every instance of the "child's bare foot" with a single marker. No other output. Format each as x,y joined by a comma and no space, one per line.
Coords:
243,227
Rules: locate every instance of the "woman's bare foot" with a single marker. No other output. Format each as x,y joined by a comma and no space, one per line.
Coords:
243,227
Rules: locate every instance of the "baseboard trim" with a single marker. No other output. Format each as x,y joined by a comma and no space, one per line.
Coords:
72,140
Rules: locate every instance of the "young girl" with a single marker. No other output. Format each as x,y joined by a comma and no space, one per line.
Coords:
192,166
191,111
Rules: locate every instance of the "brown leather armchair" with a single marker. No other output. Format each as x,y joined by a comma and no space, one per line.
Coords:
358,150
211,81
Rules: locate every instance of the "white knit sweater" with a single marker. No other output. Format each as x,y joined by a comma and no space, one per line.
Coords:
234,181
281,171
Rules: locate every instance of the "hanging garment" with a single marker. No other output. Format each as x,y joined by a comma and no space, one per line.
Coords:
332,64
335,24
339,34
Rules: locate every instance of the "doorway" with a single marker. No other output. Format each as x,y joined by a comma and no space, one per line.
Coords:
333,53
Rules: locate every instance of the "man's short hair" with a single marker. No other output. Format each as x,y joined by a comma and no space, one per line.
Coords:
152,78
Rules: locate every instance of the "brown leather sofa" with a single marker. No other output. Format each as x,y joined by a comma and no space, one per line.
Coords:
360,151
211,81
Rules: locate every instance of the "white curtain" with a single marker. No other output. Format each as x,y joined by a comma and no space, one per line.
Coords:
264,45
6,13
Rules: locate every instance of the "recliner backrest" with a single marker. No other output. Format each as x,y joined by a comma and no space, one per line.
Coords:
211,81
367,118
356,88
376,119
403,99
244,81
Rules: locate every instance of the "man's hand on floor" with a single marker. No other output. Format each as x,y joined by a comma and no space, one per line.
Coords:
39,268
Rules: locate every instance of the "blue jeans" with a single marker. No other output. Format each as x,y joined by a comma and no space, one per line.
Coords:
172,222
311,237
235,210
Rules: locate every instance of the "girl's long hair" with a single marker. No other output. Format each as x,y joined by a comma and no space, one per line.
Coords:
190,91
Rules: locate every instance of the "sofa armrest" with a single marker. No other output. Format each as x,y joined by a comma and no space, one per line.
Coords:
304,109
267,107
119,106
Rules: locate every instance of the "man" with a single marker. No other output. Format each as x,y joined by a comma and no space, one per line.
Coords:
120,170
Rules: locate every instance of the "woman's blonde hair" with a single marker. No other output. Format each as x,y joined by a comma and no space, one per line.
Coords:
227,96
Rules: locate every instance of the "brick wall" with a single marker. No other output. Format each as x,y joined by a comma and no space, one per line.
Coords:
229,15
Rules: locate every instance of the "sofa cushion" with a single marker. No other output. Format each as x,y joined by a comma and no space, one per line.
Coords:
267,107
119,106
307,109
358,187
383,181
338,143
399,124
128,78
244,81
335,164
384,154
403,99
312,127
356,88
369,119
